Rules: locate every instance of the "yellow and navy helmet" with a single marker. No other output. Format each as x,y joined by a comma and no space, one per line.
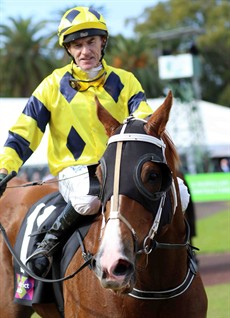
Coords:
80,22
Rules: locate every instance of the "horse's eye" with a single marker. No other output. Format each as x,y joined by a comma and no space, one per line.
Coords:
153,177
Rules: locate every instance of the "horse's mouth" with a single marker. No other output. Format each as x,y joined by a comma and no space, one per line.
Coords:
119,287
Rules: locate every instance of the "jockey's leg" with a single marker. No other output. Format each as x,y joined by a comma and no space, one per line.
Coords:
40,261
79,187
184,194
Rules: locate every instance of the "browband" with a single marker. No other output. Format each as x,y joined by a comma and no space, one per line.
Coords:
137,137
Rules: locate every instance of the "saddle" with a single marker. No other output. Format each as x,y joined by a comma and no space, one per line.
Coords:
36,223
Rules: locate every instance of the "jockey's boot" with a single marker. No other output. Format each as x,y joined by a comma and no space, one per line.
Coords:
41,260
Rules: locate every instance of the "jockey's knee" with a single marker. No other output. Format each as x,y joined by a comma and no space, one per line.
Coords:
86,205
184,194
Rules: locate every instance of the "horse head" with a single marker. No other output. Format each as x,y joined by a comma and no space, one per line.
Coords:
136,172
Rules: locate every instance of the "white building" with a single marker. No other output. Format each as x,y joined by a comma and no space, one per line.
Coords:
214,132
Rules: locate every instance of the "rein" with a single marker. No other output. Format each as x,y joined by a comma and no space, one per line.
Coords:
87,257
39,183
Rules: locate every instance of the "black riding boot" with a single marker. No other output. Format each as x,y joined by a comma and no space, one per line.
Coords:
41,260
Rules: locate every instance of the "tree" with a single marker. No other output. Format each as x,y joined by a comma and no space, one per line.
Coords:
25,57
210,38
135,56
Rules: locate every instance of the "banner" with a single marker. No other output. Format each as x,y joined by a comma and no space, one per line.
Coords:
206,187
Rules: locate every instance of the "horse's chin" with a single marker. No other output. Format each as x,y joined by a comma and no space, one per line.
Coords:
126,290
117,288
122,291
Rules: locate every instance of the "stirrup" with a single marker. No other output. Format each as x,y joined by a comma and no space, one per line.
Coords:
35,255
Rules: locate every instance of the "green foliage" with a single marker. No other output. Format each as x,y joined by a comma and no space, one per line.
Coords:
213,233
25,58
136,57
218,301
209,36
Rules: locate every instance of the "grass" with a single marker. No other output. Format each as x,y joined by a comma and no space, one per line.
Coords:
213,233
218,301
213,237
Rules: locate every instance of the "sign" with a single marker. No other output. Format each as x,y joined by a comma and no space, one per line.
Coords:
205,187
175,66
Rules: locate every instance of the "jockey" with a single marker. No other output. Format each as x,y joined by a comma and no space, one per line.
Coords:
77,140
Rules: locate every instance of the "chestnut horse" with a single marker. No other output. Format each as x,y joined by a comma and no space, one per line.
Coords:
143,264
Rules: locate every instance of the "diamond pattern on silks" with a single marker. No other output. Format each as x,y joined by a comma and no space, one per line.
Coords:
25,287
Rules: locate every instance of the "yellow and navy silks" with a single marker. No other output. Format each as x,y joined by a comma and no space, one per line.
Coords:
76,136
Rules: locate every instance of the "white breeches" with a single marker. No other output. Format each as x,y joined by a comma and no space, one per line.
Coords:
184,195
74,186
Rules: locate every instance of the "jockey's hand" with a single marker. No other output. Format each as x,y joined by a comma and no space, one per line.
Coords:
2,187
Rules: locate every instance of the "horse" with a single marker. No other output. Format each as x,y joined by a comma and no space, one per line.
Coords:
142,262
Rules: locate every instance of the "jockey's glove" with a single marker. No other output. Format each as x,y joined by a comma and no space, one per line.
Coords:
2,187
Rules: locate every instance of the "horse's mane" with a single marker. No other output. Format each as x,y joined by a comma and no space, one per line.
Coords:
171,150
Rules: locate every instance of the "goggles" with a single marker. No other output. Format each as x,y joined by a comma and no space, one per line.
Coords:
82,86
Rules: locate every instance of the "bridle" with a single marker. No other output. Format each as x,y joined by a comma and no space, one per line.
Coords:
161,196
114,213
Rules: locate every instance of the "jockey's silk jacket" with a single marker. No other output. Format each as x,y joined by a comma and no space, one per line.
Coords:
76,136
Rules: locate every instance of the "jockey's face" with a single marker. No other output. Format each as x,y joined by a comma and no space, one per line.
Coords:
86,51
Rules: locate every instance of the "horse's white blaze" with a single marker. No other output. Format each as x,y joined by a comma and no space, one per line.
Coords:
111,245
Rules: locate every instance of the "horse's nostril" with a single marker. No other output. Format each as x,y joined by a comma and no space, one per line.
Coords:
93,263
104,274
123,268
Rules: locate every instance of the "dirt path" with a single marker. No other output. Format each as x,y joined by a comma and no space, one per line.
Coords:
215,269
204,209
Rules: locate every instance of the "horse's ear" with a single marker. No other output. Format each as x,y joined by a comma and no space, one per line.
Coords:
108,121
158,120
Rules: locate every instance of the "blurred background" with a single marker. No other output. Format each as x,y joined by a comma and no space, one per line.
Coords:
176,44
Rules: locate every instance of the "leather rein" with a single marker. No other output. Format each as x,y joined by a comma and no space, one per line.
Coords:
86,256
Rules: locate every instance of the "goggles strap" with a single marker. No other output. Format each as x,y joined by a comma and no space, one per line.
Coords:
81,85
